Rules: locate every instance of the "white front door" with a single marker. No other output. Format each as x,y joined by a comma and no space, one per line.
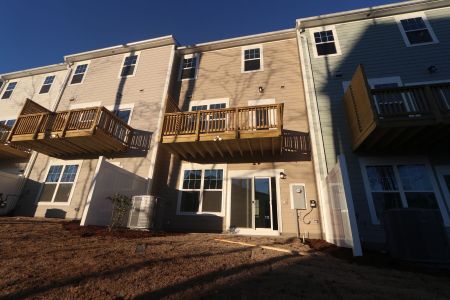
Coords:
253,204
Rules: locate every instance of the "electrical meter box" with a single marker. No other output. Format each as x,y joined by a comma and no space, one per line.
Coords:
298,196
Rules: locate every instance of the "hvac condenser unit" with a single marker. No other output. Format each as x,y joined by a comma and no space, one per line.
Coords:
142,212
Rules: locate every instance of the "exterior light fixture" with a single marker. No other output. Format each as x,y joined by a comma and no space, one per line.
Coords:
261,89
282,175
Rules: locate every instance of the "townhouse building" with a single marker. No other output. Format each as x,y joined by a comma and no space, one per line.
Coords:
44,85
237,128
102,138
377,89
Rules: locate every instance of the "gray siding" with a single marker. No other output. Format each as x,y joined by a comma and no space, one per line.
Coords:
378,44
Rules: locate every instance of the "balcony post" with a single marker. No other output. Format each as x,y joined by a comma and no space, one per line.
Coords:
97,117
197,127
236,122
433,103
36,130
66,123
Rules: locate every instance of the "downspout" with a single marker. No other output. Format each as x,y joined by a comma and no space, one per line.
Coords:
315,131
34,154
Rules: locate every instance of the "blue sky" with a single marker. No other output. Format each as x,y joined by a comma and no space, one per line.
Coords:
40,32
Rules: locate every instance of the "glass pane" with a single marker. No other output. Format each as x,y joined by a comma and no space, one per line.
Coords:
77,78
252,65
123,114
45,89
262,203
188,73
381,178
190,201
385,201
6,94
213,179
53,174
212,201
47,193
241,203
63,192
128,70
419,36
326,48
70,171
414,178
421,200
192,179
130,60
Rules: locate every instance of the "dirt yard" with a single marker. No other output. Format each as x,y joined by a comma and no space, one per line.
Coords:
59,260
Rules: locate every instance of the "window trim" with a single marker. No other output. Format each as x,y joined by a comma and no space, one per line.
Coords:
261,57
394,162
43,83
422,15
180,72
208,102
336,40
202,167
88,63
5,89
138,53
44,176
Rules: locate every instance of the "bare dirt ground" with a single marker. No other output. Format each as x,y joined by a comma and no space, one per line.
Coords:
59,260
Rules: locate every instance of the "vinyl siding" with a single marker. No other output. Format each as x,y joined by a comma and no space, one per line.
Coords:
378,44
102,84
219,76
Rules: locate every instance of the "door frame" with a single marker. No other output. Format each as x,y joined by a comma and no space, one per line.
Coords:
252,174
440,171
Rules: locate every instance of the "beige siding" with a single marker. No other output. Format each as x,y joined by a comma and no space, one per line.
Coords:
220,76
102,84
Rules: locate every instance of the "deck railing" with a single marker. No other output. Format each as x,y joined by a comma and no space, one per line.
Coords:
418,101
4,132
237,119
60,123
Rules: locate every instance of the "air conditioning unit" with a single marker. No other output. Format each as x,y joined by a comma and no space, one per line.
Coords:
142,212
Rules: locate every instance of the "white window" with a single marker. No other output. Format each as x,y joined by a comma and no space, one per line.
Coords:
189,65
201,191
58,185
129,65
79,73
416,30
325,41
9,123
252,58
399,184
214,120
47,84
9,90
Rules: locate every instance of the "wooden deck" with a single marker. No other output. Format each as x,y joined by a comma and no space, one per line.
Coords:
229,132
75,132
8,151
398,119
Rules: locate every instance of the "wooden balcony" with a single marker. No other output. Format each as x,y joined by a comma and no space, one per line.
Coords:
222,133
75,132
7,150
408,119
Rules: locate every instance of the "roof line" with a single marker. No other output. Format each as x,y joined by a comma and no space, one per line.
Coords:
34,71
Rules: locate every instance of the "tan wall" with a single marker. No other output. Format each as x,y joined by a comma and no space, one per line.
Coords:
27,87
101,84
219,76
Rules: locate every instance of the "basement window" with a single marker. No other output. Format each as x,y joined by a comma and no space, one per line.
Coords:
47,84
57,187
129,65
189,67
201,191
416,30
79,73
252,59
9,90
